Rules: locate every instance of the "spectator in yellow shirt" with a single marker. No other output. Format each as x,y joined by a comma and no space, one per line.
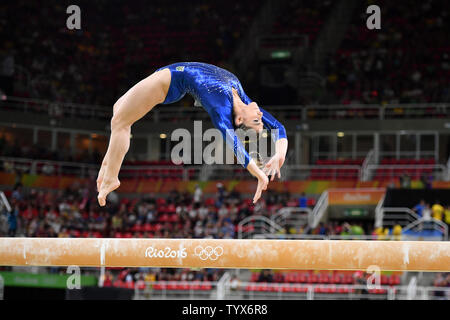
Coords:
447,215
382,233
397,232
437,211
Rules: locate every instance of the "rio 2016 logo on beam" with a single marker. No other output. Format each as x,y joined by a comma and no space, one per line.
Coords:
167,252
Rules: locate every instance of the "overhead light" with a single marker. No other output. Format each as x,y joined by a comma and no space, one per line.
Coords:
163,135
340,134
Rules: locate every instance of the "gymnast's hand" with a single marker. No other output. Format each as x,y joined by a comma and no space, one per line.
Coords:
263,181
274,165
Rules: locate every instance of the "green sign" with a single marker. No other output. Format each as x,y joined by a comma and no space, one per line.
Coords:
280,54
42,280
356,212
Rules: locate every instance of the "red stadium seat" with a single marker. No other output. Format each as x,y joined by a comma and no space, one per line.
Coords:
195,285
206,285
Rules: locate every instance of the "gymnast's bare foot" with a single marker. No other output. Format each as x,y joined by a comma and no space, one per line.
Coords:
107,186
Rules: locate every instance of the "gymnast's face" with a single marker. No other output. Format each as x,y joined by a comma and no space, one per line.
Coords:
251,117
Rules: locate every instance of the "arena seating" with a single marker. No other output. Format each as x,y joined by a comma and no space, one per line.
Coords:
336,173
301,18
414,171
169,170
125,46
397,64
299,281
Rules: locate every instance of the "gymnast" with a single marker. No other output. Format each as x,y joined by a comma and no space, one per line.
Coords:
221,95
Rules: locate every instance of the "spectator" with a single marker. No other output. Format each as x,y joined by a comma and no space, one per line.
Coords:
441,281
427,217
198,229
108,280
322,229
220,195
419,208
359,279
303,201
223,211
345,229
197,194
356,230
48,169
437,211
426,182
405,181
17,193
265,276
397,231
235,283
447,215
12,221
228,230
117,222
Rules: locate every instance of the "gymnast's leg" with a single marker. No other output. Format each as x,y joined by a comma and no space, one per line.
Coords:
132,106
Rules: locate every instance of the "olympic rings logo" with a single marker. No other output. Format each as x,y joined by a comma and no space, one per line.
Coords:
208,252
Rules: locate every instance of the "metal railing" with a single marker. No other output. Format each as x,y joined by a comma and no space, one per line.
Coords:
438,171
48,167
319,209
292,216
215,172
243,290
170,113
408,219
183,172
379,212
428,224
328,172
163,290
277,236
256,225
369,159
402,216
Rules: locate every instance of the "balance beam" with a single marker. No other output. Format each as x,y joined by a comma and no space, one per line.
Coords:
227,253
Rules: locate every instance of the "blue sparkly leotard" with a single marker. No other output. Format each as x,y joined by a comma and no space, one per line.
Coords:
211,86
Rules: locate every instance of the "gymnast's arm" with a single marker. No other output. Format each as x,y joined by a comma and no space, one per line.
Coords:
228,133
278,133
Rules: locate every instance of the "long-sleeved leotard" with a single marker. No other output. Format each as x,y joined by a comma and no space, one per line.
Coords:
212,87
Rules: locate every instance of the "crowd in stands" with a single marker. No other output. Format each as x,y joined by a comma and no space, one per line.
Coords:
302,17
442,280
20,148
406,61
435,210
74,212
131,278
117,45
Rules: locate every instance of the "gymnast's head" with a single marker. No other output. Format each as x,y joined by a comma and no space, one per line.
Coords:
247,116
